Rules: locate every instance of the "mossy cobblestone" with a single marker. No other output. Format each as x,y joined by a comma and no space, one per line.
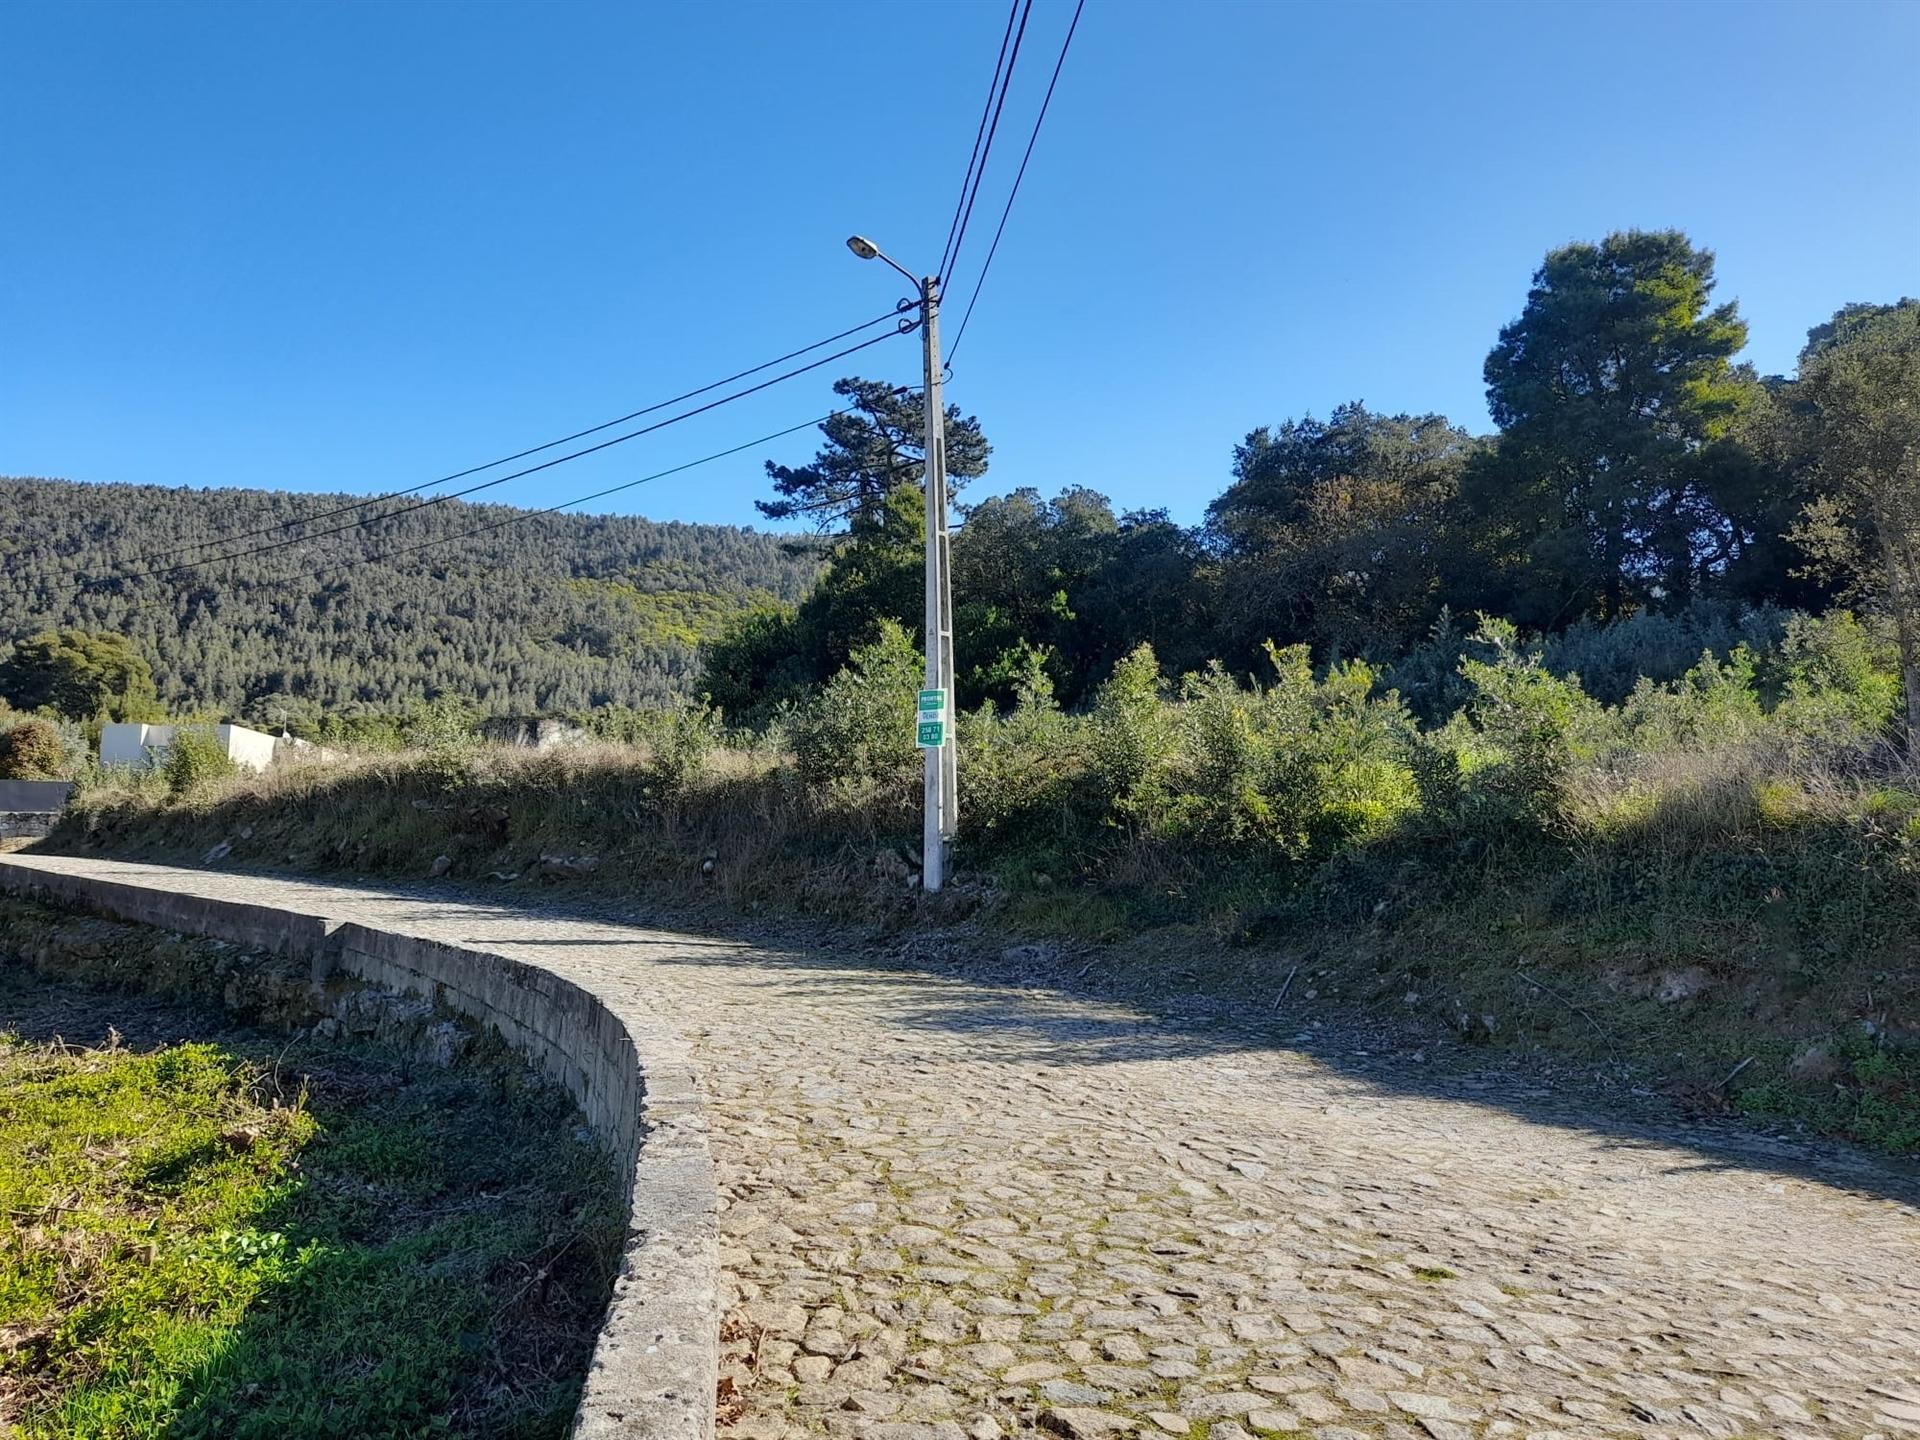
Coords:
955,1210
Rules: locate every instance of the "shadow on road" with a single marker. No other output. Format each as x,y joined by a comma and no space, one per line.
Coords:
1071,1015
1068,1014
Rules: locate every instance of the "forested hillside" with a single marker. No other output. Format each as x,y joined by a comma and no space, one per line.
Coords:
554,614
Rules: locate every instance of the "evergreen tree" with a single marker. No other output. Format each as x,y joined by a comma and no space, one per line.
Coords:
875,448
864,490
1606,390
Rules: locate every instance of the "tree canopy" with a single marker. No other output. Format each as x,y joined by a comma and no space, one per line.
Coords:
551,614
875,451
1334,531
1606,390
864,491
1857,402
81,674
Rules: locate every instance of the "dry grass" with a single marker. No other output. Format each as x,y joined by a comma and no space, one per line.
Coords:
741,835
1776,883
1680,800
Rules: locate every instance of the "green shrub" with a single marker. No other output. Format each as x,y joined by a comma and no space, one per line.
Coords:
194,760
679,742
1838,680
32,750
1298,766
1232,772
754,665
365,731
1428,676
439,724
1713,704
1363,785
1438,776
1021,773
1537,722
1133,740
859,727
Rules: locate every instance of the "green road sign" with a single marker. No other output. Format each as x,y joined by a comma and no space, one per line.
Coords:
933,719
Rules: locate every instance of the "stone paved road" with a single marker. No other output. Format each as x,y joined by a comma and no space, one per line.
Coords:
956,1208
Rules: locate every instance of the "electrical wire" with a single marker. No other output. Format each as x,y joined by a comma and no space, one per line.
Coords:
1006,84
88,582
522,454
1019,175
993,87
519,516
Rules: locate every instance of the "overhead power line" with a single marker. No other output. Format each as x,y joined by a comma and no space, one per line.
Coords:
521,454
371,520
993,88
520,516
1006,83
1019,175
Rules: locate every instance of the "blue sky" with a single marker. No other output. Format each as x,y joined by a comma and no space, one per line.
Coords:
356,246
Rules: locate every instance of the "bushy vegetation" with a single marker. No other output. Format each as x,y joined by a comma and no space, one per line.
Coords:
194,760
31,750
1747,831
250,1238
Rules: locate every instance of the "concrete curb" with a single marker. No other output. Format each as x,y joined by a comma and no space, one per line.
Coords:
656,1363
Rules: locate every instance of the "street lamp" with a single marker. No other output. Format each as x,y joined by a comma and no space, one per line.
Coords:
867,250
935,733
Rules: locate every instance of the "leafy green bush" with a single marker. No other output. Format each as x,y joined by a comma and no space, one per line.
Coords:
32,750
679,741
754,664
1133,740
1838,679
445,722
859,727
1713,704
1299,765
1231,775
1021,773
1537,722
194,760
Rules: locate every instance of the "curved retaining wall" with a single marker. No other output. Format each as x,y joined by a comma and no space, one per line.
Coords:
655,1365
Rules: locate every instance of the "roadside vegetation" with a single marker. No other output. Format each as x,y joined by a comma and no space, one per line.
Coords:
242,1237
1600,734
1721,867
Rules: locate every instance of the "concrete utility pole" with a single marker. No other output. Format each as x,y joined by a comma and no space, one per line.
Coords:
941,816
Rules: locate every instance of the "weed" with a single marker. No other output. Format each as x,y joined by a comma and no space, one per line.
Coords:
187,1256
194,761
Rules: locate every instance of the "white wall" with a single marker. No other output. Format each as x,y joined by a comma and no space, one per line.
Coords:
249,749
140,746
126,744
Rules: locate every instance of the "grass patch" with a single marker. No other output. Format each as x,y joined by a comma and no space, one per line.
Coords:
1434,1274
236,1239
1872,1094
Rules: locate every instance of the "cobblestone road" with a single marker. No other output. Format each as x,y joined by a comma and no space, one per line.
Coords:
952,1208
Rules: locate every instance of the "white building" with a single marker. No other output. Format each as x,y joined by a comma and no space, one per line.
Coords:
140,747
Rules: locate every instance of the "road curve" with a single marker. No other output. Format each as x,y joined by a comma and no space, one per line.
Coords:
954,1208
